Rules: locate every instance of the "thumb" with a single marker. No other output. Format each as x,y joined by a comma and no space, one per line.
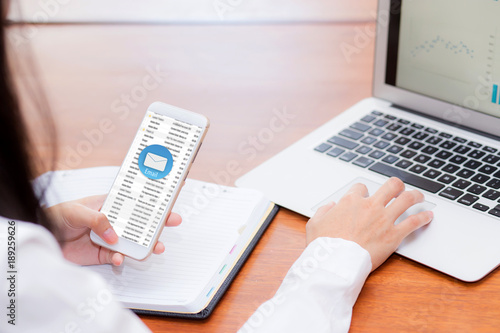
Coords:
79,216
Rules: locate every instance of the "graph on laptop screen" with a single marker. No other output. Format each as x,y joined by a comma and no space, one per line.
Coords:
450,50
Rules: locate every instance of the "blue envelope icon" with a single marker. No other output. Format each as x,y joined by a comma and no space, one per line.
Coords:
156,162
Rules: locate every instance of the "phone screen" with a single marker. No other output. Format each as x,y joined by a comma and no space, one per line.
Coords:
149,175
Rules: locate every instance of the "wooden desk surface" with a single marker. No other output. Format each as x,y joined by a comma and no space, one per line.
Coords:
237,75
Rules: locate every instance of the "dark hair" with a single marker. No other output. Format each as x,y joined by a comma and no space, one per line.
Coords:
17,155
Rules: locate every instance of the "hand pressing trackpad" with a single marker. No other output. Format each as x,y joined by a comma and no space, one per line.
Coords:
372,188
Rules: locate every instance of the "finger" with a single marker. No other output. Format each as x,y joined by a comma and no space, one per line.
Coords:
358,189
110,257
80,216
159,248
94,202
324,209
173,220
403,202
413,223
391,189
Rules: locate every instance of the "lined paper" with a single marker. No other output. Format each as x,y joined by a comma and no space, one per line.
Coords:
213,218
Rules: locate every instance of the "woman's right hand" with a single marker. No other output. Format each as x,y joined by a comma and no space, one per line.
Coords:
369,221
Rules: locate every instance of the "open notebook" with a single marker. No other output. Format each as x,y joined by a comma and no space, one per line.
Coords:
221,225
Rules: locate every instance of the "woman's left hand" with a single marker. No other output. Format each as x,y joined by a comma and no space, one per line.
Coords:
75,219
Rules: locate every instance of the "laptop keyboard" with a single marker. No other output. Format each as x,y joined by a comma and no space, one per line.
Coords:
453,167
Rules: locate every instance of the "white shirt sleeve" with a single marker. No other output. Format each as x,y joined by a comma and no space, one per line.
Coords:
54,295
318,292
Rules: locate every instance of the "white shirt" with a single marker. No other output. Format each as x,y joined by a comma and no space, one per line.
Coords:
54,295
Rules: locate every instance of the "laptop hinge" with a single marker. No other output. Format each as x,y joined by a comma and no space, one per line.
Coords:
472,130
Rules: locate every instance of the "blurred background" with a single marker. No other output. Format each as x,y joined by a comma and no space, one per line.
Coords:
195,11
239,62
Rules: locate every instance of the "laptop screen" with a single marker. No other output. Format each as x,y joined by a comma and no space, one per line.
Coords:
448,50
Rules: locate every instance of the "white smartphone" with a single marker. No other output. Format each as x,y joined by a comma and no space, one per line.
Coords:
150,178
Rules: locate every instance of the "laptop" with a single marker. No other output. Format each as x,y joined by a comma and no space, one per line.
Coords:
433,121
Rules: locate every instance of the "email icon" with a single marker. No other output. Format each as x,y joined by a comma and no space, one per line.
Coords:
156,162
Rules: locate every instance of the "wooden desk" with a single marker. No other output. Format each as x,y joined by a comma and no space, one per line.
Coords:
237,75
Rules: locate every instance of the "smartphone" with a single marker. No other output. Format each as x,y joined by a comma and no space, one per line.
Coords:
150,178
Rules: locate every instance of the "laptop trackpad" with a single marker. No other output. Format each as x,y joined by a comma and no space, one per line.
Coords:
372,188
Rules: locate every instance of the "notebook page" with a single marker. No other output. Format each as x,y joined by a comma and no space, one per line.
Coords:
213,217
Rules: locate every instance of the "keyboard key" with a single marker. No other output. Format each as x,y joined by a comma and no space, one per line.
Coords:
488,169
481,207
369,140
363,162
447,145
420,136
349,156
368,119
402,141
351,134
393,127
447,179
403,164
407,177
360,127
335,152
417,126
389,136
435,163
462,149
376,132
451,168
377,113
451,193
403,121
496,174
474,144
408,153
494,183
363,150
433,140
476,189
394,149
491,159
445,135
443,154
459,139
388,116
377,154
323,147
490,149
429,150
343,142
390,159
431,130
416,145
480,178
472,164
381,144
458,159
468,199
432,173
494,212
476,154
380,123
422,158
461,184
407,131
492,195
418,169
465,173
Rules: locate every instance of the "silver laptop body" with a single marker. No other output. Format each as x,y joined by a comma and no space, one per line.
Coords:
434,121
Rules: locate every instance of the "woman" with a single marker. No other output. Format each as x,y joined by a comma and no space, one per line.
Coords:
345,242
